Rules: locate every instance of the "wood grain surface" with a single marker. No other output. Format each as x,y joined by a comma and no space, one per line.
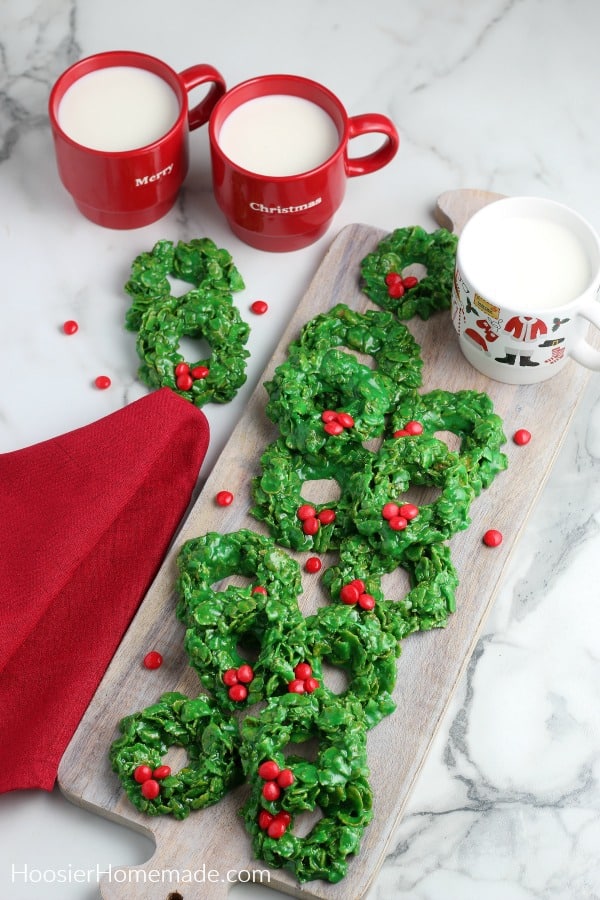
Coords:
431,663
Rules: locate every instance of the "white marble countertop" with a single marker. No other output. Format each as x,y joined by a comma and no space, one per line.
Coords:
498,95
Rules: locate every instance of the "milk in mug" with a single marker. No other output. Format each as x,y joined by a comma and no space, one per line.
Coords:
118,108
528,262
278,135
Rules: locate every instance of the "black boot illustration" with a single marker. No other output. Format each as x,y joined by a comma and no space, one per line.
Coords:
527,361
509,359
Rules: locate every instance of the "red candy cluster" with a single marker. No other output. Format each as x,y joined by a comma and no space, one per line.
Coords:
236,680
411,429
303,683
398,517
336,422
149,779
185,377
354,592
312,520
397,285
276,780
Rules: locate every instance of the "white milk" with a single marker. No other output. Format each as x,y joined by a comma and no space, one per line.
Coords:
118,108
528,262
278,135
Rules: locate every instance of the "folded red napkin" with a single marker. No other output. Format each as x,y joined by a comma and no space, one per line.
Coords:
85,521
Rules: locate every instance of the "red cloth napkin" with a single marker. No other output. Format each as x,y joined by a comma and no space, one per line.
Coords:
85,521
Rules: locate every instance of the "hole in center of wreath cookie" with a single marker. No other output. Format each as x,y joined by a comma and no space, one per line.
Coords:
175,757
335,678
194,349
307,750
248,647
304,822
451,440
321,490
421,495
178,286
417,269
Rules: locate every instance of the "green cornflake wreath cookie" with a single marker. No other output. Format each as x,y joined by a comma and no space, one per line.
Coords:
379,491
198,314
336,783
469,415
200,262
204,312
211,741
433,581
277,493
435,250
355,642
262,617
318,377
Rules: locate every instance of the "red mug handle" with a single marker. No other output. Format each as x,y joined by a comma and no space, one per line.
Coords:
191,78
367,124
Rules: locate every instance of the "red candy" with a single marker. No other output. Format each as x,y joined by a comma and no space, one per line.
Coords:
259,307
398,523
310,685
492,538
271,790
326,516
303,671
296,686
269,770
142,773
393,278
70,326
313,564
224,498
264,819
366,601
409,511
181,368
150,789
102,382
306,512
310,525
413,427
285,778
153,660
277,828
522,437
199,372
245,674
184,381
389,510
396,290
345,419
161,772
259,589
238,692
410,281
349,594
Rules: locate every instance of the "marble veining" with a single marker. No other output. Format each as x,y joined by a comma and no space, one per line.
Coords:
499,95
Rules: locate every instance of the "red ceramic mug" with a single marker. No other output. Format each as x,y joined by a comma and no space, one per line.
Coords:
120,122
267,121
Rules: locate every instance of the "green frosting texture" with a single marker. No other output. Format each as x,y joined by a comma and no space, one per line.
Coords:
291,698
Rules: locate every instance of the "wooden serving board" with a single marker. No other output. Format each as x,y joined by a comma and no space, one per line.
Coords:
431,663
